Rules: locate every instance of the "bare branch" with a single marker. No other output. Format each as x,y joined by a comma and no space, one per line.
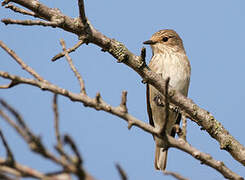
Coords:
68,140
33,141
82,12
184,127
21,11
30,22
77,74
122,173
59,146
143,54
81,98
72,49
14,125
129,118
20,62
21,170
203,158
123,104
175,175
73,166
56,122
11,84
15,113
10,156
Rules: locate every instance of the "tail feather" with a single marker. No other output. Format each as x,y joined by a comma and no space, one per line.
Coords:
160,159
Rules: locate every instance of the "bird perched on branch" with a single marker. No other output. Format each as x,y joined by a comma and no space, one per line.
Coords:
170,61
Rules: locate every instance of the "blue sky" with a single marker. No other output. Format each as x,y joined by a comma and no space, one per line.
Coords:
213,35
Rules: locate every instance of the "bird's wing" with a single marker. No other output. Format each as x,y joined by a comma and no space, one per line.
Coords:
149,110
149,105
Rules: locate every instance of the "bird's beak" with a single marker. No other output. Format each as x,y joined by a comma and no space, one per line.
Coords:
149,42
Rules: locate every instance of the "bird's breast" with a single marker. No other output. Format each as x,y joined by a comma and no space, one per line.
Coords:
175,66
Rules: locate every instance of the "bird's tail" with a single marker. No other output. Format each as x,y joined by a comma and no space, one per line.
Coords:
160,158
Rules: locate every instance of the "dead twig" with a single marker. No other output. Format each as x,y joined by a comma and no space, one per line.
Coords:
175,175
77,74
10,157
21,62
72,49
22,11
122,173
30,22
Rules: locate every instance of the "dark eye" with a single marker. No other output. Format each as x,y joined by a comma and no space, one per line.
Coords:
165,39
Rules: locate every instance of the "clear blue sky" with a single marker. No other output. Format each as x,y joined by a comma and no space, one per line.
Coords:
213,35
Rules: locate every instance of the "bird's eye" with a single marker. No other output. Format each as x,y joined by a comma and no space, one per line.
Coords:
165,39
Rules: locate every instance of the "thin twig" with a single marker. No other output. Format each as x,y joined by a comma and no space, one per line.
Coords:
10,156
175,175
20,62
36,145
32,140
82,12
77,74
72,49
203,157
142,56
59,146
68,140
15,126
184,127
31,22
21,170
11,84
15,113
123,103
21,11
122,173
56,121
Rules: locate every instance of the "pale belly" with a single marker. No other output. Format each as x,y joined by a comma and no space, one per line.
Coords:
175,67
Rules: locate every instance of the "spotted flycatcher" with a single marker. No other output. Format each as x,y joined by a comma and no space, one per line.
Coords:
169,60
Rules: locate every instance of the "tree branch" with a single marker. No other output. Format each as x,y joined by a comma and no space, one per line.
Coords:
73,68
36,145
10,156
82,12
204,158
20,62
62,54
174,174
122,173
56,122
30,22
21,11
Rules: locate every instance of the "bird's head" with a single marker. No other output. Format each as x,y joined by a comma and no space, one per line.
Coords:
165,40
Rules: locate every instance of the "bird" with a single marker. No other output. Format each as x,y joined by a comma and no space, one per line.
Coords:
169,59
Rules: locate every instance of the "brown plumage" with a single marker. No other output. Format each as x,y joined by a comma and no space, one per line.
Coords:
168,59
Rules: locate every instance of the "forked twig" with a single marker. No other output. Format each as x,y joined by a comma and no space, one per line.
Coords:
72,49
77,74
